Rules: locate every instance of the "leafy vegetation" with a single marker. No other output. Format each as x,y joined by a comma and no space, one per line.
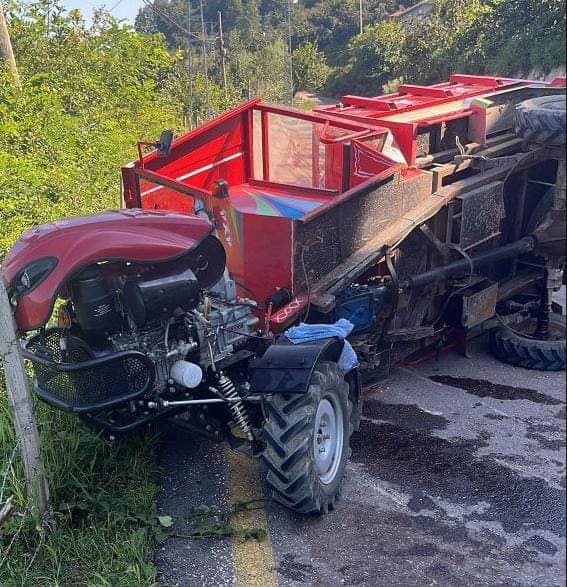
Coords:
310,68
88,95
104,521
508,37
375,57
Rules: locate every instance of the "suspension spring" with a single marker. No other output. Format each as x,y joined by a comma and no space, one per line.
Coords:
227,389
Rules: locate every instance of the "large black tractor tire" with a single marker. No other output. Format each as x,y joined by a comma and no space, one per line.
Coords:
542,120
518,348
540,211
307,442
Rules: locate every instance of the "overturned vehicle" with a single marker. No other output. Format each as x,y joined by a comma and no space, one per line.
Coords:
269,261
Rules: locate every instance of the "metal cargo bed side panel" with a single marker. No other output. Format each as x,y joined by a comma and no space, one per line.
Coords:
326,241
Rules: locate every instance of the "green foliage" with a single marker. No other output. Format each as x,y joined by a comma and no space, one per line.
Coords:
527,35
311,71
374,57
100,495
507,37
262,70
88,95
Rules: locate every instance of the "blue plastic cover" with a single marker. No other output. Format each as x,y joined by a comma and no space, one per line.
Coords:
312,332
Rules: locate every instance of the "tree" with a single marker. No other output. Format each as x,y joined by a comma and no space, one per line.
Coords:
375,57
311,71
333,23
261,71
507,37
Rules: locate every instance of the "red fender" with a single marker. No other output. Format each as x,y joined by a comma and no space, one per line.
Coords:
140,236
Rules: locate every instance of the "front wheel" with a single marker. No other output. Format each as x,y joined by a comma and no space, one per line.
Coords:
307,442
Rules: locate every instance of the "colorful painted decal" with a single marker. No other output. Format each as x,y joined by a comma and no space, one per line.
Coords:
251,200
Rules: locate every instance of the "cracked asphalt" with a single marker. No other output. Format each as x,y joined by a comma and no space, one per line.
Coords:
457,477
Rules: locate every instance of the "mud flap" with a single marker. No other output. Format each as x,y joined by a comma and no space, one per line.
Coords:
287,368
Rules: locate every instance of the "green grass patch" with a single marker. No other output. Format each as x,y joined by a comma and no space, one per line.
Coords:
103,497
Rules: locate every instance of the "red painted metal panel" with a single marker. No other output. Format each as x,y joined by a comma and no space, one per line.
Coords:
405,134
380,104
366,163
209,148
314,149
211,125
258,249
130,188
265,146
413,98
129,235
479,80
158,178
426,91
249,142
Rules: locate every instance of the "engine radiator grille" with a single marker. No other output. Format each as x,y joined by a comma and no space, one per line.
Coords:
69,378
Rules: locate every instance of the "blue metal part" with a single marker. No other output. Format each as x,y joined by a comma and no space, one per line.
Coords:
361,304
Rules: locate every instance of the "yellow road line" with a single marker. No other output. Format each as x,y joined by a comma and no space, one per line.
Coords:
254,562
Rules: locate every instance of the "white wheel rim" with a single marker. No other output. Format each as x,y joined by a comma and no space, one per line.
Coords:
328,440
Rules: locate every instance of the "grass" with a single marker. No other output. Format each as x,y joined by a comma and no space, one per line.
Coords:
104,522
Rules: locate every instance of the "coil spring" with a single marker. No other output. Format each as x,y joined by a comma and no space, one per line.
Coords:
228,391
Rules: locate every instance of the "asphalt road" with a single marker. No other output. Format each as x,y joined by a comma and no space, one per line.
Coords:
457,477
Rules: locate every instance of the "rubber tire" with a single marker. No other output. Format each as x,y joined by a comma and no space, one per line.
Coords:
530,353
289,434
542,120
540,211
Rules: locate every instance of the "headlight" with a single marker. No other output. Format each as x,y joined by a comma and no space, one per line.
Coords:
30,277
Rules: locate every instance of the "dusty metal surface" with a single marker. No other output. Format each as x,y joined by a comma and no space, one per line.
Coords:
333,237
481,216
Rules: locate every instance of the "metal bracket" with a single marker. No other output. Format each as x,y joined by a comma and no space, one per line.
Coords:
481,162
433,241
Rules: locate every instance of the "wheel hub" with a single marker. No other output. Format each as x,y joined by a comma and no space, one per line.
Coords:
328,440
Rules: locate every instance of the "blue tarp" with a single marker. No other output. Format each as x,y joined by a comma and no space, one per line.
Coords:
312,332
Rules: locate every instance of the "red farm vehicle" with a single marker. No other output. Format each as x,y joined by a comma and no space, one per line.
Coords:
257,251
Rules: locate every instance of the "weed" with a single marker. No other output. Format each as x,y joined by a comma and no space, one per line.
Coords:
102,498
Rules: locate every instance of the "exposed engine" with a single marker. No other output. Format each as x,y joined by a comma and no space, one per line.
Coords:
162,313
140,341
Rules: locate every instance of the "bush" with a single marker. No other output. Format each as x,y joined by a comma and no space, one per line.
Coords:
88,95
310,68
374,58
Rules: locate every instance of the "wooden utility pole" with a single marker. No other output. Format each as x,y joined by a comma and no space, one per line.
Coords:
21,404
6,52
223,57
190,64
205,59
290,48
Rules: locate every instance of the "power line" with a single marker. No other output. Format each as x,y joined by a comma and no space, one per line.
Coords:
116,5
163,15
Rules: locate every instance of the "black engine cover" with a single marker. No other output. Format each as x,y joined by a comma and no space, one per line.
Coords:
157,297
94,303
